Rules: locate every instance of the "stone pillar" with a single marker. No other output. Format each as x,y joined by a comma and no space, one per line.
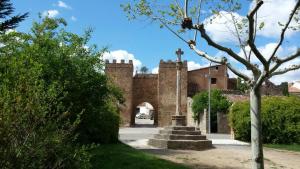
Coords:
178,119
204,122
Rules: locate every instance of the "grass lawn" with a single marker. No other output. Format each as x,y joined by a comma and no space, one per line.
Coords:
121,156
290,147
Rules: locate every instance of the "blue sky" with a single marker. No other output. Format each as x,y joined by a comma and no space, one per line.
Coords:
144,41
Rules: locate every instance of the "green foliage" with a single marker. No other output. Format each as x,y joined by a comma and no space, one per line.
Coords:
53,98
144,69
242,85
7,21
280,120
219,103
285,88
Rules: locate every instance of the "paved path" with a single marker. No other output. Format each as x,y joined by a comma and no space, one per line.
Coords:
138,137
226,154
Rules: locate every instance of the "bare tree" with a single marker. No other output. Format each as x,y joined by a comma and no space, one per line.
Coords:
172,14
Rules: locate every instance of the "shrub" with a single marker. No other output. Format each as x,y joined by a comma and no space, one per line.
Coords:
33,131
54,98
219,103
280,120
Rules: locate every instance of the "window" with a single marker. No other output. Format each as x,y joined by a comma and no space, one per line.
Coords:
213,80
217,68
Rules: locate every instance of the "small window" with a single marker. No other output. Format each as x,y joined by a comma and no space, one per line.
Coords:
213,80
217,68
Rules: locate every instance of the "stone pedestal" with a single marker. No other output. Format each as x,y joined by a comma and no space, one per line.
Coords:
178,121
180,138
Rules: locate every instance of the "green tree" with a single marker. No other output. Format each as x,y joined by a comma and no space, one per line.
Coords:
187,16
144,70
6,20
219,103
54,99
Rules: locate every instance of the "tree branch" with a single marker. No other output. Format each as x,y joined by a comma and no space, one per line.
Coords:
283,71
186,8
176,34
253,47
284,30
297,54
279,62
198,19
224,49
222,61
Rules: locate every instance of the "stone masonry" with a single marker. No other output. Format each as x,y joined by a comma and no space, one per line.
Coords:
160,89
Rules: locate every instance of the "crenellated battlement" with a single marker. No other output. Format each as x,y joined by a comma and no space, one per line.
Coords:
121,64
170,64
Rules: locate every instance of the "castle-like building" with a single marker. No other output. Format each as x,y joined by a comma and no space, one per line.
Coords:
160,89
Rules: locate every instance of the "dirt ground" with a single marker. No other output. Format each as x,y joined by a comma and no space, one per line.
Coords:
230,157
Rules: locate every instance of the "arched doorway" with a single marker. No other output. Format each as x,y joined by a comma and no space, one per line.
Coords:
144,115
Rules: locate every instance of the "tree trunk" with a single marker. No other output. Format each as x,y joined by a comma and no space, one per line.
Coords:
256,129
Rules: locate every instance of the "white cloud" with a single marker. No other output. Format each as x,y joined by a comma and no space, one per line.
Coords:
155,70
193,65
266,51
122,54
73,18
51,13
272,12
63,5
221,27
288,77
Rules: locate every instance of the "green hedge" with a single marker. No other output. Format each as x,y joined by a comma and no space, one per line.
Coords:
280,120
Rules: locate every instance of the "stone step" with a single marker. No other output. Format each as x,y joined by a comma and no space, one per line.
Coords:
179,132
181,144
179,137
186,128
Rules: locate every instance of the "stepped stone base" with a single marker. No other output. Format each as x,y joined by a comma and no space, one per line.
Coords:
181,138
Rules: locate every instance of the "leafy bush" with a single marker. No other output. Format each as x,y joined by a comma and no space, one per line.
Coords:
54,99
219,103
280,120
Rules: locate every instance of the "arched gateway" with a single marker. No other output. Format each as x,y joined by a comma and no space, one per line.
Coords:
160,89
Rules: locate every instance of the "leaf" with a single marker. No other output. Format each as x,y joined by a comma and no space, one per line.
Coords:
280,24
261,25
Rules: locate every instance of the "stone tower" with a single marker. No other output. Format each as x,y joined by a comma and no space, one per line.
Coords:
122,75
167,91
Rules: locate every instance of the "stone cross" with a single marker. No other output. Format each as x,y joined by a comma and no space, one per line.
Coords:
179,52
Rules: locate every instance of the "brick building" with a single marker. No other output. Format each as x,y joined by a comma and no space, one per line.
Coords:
160,89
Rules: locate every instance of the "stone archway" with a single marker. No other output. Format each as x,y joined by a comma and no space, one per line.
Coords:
144,115
144,90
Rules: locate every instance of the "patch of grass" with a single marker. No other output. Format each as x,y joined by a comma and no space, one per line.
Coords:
121,156
289,147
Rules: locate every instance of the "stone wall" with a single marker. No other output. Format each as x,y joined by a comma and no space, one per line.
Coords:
145,90
121,75
167,91
223,124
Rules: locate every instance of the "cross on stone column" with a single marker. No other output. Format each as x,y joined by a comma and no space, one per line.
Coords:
179,52
178,119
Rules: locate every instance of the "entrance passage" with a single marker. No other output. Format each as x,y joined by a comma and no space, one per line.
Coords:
144,115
